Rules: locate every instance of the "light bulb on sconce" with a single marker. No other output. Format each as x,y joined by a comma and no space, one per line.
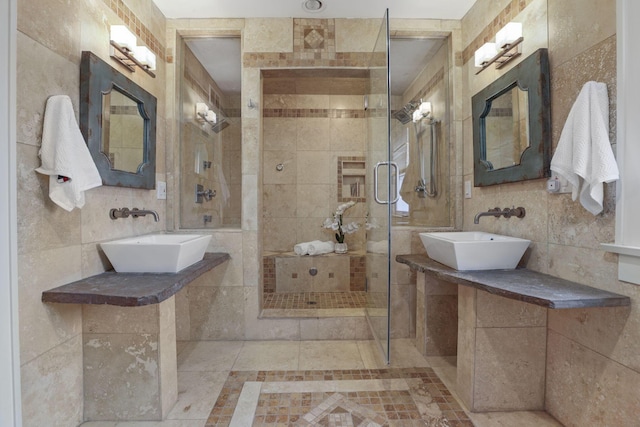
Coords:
204,114
486,52
122,36
126,52
509,34
503,50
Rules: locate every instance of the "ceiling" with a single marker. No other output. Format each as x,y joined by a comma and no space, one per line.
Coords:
425,9
221,56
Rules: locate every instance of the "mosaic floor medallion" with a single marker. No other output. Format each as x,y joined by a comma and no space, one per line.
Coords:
339,398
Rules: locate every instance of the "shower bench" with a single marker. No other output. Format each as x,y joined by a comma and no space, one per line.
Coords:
129,339
502,327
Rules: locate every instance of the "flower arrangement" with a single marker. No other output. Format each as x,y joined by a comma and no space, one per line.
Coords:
335,223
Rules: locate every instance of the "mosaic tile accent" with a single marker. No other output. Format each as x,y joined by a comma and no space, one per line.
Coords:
269,274
298,59
418,397
507,14
138,28
315,36
358,274
313,113
317,300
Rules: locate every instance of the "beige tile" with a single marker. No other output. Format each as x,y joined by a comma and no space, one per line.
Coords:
495,311
109,395
101,319
198,392
288,159
268,355
208,355
441,326
367,30
314,200
312,101
466,344
278,236
340,328
257,328
330,355
509,369
52,386
348,134
313,134
41,223
280,133
316,168
517,418
268,35
587,388
35,85
346,102
168,355
215,313
44,326
609,331
279,201
577,25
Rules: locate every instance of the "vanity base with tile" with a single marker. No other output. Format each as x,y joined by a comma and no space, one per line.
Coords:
501,328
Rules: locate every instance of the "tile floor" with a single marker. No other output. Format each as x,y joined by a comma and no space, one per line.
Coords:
203,369
322,300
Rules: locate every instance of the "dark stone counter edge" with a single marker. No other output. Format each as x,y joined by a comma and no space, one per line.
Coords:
424,264
83,291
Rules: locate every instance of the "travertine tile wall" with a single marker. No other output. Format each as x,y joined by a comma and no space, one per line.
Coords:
55,246
298,198
593,355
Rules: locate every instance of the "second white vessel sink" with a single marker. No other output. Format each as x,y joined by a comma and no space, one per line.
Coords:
156,253
474,250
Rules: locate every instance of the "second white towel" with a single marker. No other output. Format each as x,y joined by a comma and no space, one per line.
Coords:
315,247
584,156
321,248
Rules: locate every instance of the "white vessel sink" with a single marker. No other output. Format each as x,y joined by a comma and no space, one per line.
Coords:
156,253
474,250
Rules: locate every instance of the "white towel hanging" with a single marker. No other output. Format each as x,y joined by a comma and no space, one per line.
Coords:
584,156
65,156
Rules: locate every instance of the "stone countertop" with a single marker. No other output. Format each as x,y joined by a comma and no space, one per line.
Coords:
131,289
520,284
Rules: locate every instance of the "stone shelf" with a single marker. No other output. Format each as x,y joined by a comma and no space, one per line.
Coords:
520,284
131,289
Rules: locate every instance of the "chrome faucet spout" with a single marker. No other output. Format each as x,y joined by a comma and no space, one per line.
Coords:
495,212
135,212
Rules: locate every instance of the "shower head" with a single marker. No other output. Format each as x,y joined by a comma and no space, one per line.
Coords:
405,114
219,125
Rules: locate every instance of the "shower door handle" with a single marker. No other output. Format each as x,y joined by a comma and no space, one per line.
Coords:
375,182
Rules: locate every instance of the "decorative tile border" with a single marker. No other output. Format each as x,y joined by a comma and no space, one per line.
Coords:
313,113
304,59
403,397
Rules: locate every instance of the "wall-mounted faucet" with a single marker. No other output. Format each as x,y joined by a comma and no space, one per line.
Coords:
135,212
202,194
518,212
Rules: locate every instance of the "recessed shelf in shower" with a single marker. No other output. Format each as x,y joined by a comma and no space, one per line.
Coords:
351,179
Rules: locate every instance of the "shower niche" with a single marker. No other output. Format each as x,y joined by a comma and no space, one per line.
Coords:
352,172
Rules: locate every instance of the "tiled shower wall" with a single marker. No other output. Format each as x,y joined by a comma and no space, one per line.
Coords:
199,143
55,246
306,133
593,355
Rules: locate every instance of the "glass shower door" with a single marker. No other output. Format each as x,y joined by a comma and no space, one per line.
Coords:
381,178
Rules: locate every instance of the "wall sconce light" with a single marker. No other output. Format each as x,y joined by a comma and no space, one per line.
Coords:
204,114
423,110
503,50
126,52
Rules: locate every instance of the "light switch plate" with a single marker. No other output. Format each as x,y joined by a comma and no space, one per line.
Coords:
467,189
161,190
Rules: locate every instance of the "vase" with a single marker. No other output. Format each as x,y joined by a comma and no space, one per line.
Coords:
340,248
